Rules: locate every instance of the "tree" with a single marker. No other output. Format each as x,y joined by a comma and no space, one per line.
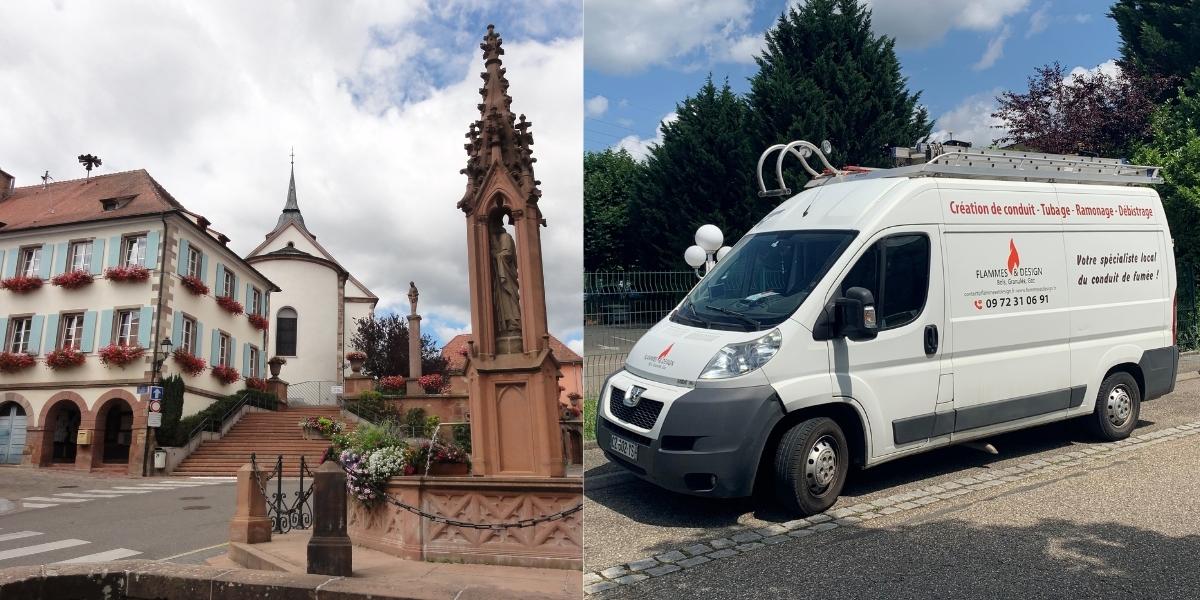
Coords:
1090,113
1158,39
385,342
825,76
702,172
1175,146
609,178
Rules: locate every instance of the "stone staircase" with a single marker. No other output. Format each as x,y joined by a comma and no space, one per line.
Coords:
266,434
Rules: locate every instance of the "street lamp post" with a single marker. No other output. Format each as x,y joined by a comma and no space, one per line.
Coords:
707,251
160,357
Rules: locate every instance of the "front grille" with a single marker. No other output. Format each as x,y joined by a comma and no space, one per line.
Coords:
644,415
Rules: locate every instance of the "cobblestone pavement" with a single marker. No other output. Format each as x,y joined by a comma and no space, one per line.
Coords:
643,541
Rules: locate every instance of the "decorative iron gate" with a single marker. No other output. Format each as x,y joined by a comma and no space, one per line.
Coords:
285,516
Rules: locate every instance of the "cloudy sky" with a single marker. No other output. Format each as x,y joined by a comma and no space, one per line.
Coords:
375,96
642,57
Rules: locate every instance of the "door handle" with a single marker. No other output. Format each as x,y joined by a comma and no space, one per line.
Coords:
931,340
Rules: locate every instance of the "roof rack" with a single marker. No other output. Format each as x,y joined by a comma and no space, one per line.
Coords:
943,160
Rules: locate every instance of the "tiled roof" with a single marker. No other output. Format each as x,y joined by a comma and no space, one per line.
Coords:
78,200
456,359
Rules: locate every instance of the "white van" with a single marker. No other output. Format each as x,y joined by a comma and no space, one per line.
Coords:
883,313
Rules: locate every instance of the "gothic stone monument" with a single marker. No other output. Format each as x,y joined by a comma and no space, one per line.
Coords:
511,373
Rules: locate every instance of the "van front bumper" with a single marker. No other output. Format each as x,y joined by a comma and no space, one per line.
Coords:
709,441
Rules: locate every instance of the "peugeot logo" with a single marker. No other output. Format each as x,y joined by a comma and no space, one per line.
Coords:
633,397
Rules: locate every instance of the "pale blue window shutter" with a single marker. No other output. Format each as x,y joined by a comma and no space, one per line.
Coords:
204,268
106,319
145,325
199,337
262,363
60,259
237,282
51,332
35,336
152,249
97,256
10,264
215,353
245,359
47,256
232,351
114,251
219,281
182,265
248,288
177,330
4,331
89,331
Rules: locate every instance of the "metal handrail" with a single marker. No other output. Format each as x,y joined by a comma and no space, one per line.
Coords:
202,426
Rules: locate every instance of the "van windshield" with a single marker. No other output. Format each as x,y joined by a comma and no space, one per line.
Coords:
763,280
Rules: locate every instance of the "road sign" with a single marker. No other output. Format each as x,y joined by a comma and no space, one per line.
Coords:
155,406
156,392
155,420
142,389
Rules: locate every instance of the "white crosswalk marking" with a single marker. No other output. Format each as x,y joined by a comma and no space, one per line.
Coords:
40,548
45,499
118,491
16,535
79,495
36,505
116,554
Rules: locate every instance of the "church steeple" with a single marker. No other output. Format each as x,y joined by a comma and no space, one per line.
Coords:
291,210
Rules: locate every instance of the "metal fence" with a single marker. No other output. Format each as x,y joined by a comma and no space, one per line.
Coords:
618,307
312,393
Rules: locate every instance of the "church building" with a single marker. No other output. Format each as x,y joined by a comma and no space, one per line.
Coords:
313,318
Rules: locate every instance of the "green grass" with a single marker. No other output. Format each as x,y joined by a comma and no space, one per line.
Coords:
589,419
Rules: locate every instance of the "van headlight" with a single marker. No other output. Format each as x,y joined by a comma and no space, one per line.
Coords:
739,359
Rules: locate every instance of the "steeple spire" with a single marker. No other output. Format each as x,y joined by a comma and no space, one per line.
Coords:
291,210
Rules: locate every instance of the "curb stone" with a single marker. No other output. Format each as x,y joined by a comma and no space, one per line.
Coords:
750,540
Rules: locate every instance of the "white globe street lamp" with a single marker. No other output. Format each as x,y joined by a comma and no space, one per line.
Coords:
707,251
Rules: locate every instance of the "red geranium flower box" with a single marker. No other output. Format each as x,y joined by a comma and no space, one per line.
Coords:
226,374
21,284
230,305
12,362
119,355
189,363
194,285
392,383
256,383
72,280
127,274
64,358
433,383
259,322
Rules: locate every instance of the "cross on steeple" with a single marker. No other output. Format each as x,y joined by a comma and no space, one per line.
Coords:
291,209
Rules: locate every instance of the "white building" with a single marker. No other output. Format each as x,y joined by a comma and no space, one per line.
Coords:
90,415
313,318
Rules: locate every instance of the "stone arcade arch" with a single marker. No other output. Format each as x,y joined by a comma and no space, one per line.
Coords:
58,425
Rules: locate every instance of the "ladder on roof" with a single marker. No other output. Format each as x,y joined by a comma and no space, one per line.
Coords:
963,162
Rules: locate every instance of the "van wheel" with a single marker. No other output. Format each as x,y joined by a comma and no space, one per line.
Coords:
1117,407
811,462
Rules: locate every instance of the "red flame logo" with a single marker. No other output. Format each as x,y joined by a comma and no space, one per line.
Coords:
1014,259
666,352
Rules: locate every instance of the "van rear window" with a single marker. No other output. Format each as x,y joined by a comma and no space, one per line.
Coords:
763,280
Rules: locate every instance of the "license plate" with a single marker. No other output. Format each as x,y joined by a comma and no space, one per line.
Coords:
623,447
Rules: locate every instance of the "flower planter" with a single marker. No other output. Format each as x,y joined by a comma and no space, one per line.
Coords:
275,364
21,284
449,469
64,358
433,383
258,322
229,305
72,280
120,356
226,374
14,362
130,274
189,363
255,383
194,285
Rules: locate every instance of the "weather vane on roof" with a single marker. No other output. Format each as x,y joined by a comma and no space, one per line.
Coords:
293,156
46,179
89,162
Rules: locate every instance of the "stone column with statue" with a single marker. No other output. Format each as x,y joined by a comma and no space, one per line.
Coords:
413,385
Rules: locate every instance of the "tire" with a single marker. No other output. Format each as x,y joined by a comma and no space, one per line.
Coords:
811,463
1118,404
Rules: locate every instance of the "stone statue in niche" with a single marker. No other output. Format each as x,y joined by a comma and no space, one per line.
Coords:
505,289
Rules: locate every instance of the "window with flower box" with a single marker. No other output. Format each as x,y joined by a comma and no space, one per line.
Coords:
29,261
228,284
126,330
79,256
71,333
20,329
133,250
225,352
195,262
255,302
188,343
252,358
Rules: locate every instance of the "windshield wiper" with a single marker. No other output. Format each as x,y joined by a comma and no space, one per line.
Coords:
734,313
696,316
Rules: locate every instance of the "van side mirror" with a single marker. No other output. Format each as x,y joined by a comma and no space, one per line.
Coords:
855,316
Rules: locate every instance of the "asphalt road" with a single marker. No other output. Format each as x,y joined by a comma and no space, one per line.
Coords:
179,519
1117,530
